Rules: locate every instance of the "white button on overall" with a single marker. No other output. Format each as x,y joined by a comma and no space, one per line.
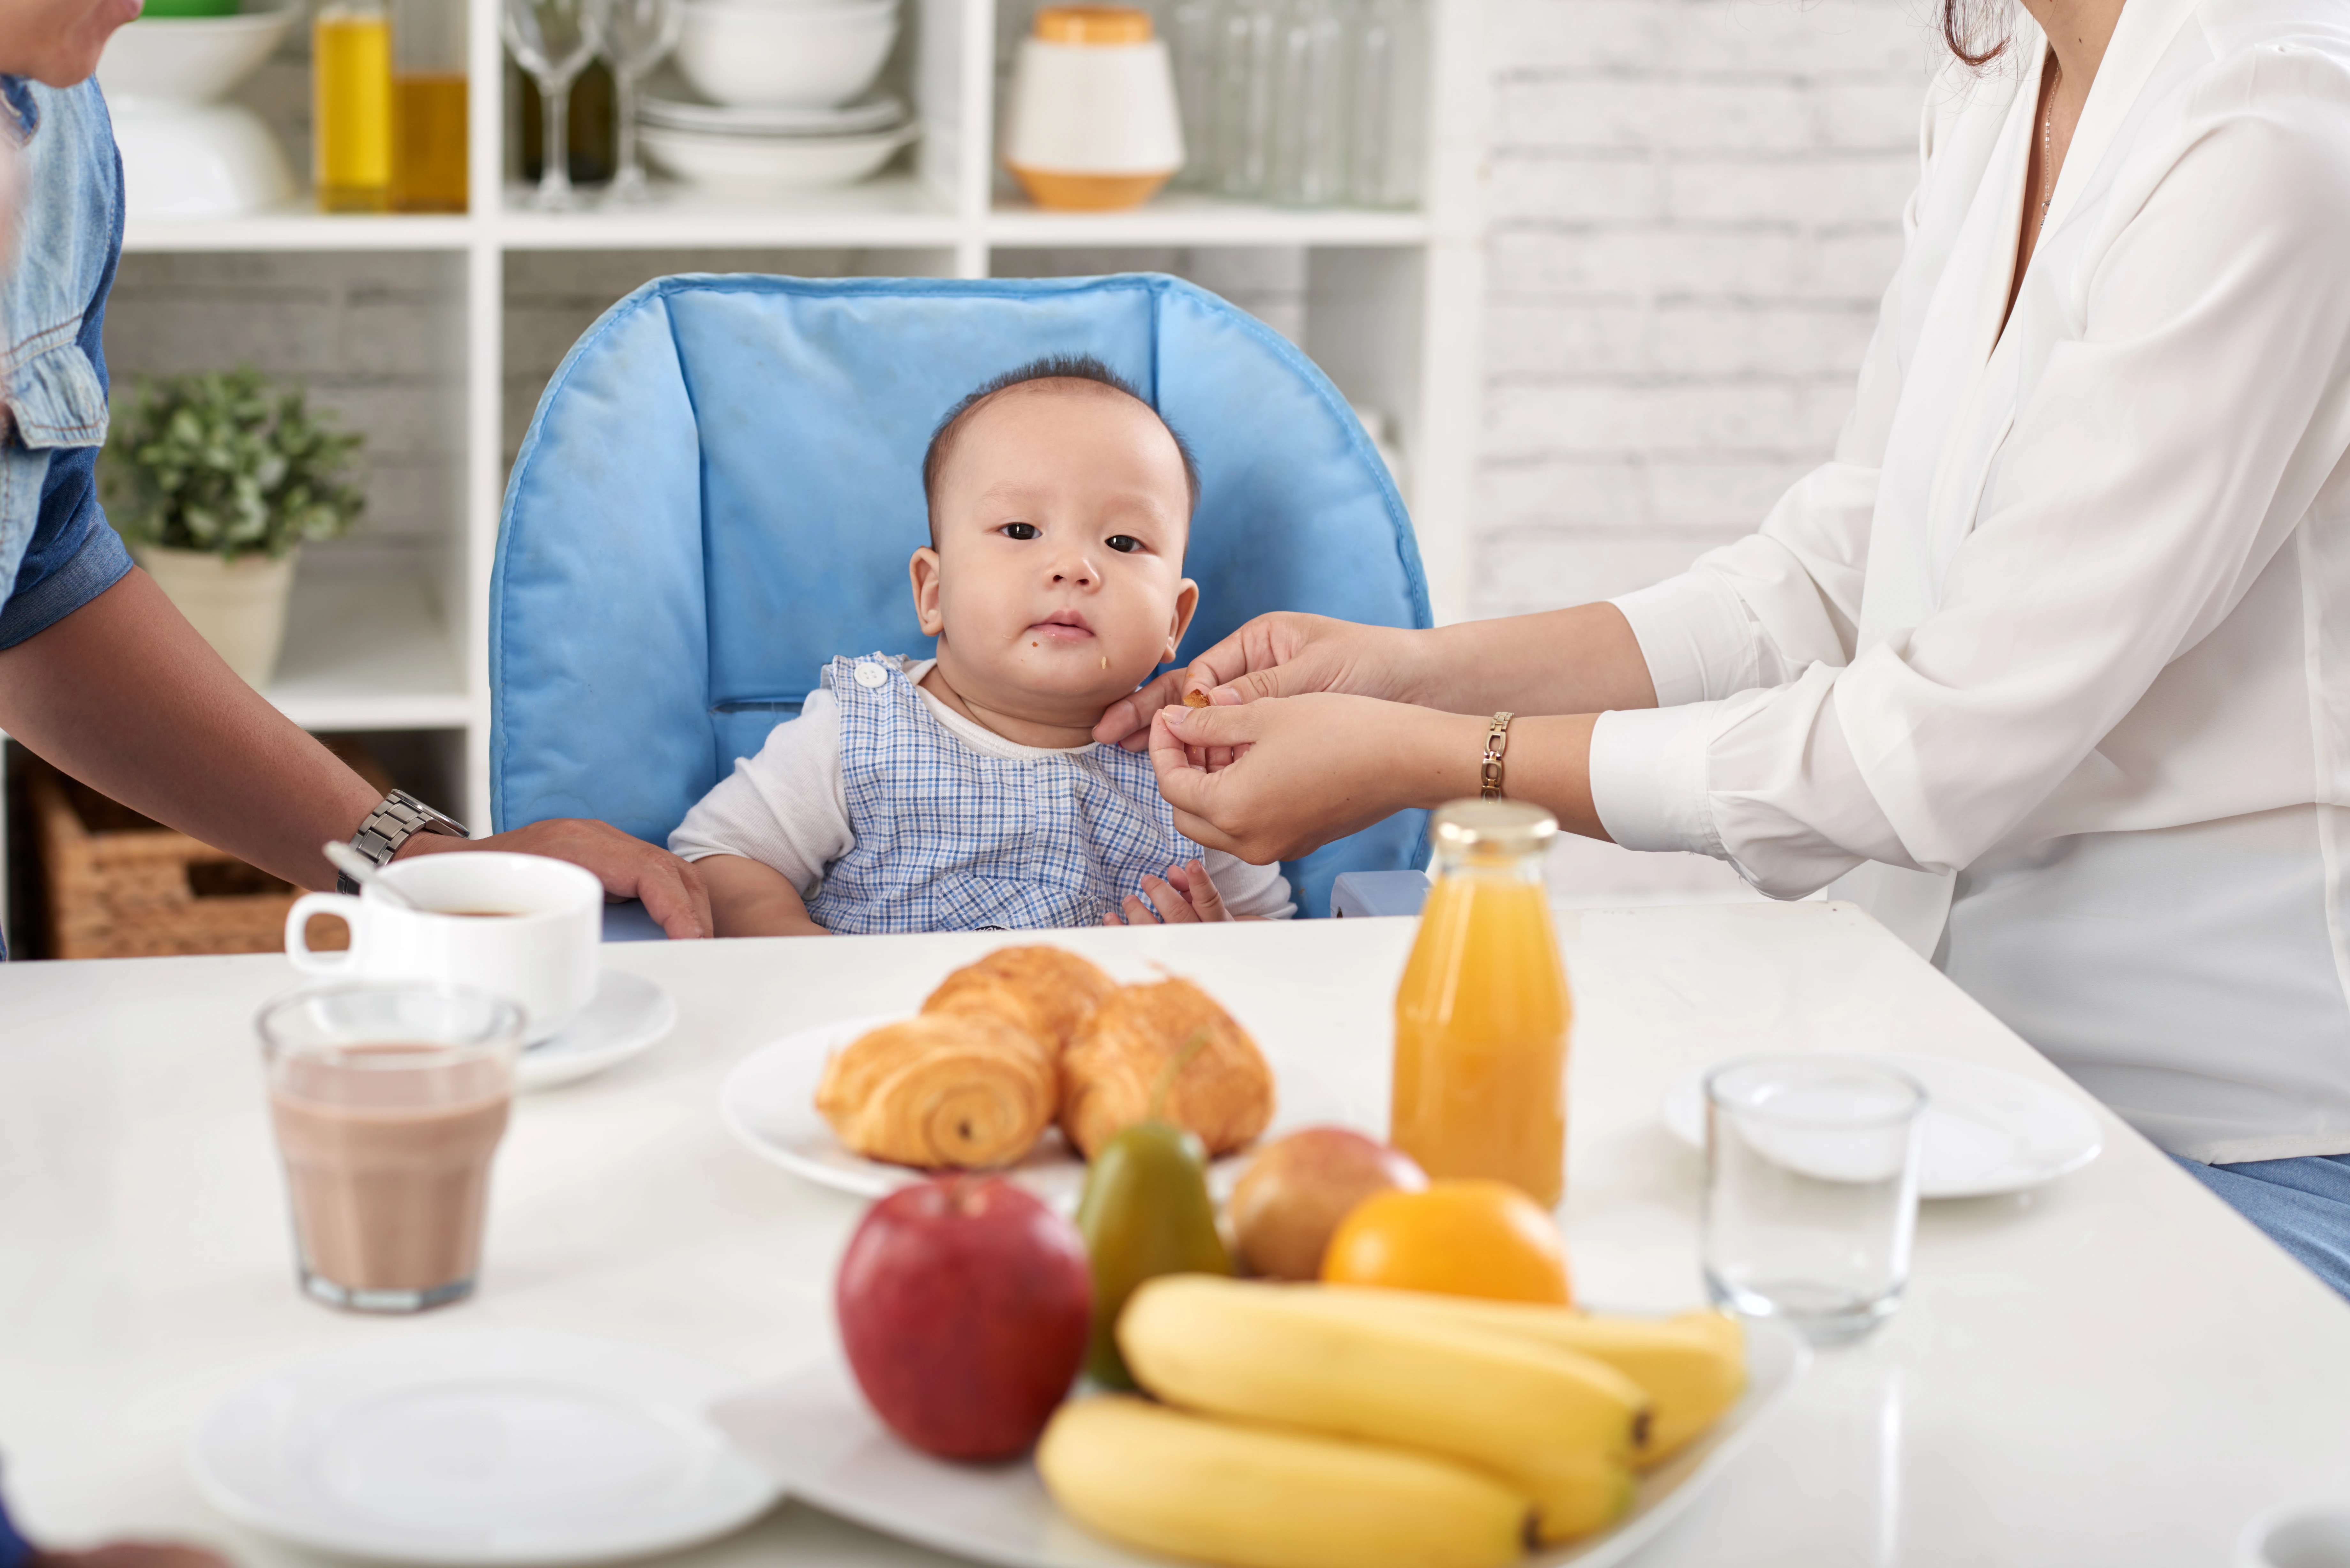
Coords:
871,675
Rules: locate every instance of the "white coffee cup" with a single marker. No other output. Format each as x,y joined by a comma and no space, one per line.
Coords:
2303,1536
518,926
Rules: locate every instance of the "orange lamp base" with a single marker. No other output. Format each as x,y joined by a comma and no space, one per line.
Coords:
1088,193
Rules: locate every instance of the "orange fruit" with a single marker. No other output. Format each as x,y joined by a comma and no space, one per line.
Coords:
1456,1238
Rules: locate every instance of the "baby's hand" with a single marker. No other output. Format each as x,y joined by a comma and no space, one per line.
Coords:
1185,897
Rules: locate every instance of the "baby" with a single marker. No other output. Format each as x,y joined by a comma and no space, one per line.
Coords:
966,791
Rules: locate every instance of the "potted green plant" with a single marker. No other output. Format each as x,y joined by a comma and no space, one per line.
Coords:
216,480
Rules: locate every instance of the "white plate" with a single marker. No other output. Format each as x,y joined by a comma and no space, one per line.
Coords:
772,162
769,1102
1987,1131
815,1436
482,1447
873,112
629,1014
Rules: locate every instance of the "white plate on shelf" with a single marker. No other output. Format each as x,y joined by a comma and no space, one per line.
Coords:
769,1102
493,1446
814,1436
629,1016
1987,1131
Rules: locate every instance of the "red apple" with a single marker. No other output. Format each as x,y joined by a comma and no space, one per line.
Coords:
1293,1196
964,1307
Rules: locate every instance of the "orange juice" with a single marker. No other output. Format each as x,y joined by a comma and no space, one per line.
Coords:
351,81
427,165
1482,1016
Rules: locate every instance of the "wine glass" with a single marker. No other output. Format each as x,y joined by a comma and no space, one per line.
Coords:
638,35
554,40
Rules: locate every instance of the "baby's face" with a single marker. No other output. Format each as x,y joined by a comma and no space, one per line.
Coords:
1057,581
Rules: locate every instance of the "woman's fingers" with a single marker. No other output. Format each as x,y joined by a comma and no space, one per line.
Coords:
1126,721
1305,770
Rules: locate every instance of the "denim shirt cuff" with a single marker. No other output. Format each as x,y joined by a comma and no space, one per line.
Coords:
97,566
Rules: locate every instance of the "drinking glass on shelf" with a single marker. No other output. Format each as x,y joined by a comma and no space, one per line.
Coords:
1389,69
1241,117
1307,166
638,35
1811,1190
553,40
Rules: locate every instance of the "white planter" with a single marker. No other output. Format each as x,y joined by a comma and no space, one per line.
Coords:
238,606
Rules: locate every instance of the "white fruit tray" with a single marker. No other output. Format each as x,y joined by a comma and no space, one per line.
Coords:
814,1433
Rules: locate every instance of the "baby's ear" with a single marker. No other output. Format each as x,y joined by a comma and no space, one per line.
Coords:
1187,605
923,571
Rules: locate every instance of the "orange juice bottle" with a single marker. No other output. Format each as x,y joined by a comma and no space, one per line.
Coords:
1482,1016
350,85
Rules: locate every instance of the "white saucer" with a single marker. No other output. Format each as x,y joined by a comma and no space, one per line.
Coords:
629,1014
1987,1131
816,1437
495,1447
769,1102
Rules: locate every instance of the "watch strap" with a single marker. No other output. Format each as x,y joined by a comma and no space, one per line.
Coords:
399,818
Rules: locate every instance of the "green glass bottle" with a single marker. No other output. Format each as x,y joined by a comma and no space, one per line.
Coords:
594,130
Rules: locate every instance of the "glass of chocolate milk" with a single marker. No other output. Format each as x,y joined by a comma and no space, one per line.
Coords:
389,1099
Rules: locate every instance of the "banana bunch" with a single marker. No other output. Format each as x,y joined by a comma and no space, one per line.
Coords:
1357,1416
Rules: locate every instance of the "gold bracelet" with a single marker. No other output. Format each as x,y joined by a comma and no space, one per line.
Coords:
1489,772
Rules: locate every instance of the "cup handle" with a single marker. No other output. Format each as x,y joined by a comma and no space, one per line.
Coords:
298,941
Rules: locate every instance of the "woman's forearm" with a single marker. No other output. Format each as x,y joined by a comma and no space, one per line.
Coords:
125,696
1547,762
1580,660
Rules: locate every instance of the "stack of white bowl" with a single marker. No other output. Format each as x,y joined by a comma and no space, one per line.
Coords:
787,84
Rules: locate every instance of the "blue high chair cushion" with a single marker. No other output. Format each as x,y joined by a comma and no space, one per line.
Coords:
722,484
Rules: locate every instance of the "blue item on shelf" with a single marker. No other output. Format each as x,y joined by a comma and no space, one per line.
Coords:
721,485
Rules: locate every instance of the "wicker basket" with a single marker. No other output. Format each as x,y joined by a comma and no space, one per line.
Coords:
119,885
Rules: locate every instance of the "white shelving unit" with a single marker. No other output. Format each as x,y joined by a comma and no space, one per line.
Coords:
1391,312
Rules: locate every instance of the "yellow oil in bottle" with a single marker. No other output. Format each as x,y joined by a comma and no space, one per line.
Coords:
350,63
1482,1015
428,166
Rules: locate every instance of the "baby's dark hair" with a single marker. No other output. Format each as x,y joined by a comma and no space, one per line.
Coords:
1051,367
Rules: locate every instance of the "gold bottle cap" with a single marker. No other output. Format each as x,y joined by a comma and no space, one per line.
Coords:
1093,24
1492,827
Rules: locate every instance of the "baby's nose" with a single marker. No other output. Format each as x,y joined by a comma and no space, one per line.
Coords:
1078,573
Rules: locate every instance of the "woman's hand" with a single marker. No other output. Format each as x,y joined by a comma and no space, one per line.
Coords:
1188,896
1280,655
1307,769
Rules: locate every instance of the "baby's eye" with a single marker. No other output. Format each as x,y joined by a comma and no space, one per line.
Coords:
1018,530
1123,544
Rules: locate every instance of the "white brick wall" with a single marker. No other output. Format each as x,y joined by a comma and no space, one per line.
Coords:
1695,204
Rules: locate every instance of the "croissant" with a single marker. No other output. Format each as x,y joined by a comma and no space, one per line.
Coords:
1224,1094
1049,991
965,1090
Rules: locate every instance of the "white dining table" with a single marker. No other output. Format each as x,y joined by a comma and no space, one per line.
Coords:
2112,1369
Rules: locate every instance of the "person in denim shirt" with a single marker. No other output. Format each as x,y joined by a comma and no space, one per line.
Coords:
98,674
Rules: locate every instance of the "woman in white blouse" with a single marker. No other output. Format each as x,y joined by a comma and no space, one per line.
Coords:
2049,668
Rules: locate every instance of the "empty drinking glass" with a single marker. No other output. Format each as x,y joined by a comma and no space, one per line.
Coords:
554,40
1241,120
639,35
1389,72
1811,1190
1307,164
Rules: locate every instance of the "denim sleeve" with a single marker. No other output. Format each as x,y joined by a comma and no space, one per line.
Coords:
74,554
61,574
15,1549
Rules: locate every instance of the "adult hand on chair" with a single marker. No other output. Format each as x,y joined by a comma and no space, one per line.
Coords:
671,890
1284,654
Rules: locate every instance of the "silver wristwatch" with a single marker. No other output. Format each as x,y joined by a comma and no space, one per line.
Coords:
392,824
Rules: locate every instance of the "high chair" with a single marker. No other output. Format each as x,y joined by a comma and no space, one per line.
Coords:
721,485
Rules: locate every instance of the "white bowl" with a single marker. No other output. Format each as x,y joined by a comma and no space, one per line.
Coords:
771,163
197,159
785,56
188,60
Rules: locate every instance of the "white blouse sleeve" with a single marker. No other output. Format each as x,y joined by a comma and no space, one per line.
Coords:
2177,433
